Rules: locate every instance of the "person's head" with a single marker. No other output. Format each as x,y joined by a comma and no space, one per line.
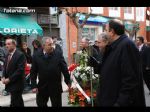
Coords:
96,43
36,44
139,40
24,46
84,43
103,40
54,39
47,43
115,28
10,44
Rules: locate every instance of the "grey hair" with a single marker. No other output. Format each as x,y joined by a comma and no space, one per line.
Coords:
86,39
104,36
46,38
13,41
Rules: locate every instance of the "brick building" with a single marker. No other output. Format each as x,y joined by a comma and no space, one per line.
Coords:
130,15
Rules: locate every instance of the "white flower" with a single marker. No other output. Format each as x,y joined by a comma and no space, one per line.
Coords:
84,78
79,52
76,74
78,68
87,68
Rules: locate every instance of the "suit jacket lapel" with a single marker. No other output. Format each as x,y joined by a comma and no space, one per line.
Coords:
143,48
12,60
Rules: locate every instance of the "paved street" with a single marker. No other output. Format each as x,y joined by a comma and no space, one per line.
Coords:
29,98
32,102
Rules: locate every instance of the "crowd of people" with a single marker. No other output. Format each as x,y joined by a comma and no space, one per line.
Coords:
123,66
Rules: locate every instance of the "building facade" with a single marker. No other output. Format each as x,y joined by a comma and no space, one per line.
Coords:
131,16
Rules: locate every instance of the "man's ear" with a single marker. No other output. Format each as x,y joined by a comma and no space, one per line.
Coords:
112,31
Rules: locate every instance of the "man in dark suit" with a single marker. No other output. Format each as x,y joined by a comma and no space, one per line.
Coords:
121,81
145,56
56,46
13,74
48,64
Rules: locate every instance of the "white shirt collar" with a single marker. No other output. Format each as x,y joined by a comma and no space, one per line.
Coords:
140,47
44,52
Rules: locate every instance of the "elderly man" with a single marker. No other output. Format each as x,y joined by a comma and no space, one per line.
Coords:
92,53
48,64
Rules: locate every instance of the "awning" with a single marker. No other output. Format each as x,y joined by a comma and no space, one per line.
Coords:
19,24
93,19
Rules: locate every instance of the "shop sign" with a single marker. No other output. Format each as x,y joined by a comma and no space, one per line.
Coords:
18,31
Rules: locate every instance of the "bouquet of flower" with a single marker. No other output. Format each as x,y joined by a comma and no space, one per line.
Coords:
82,74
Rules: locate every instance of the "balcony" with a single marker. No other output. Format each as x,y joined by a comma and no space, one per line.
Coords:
46,19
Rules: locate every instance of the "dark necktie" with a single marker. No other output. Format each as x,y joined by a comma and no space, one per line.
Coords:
8,60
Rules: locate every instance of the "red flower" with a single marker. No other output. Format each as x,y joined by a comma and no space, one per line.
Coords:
82,103
72,67
88,92
94,94
79,93
72,98
81,98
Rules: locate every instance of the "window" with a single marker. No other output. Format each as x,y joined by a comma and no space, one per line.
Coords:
128,10
89,33
113,8
140,11
53,10
96,10
114,11
129,13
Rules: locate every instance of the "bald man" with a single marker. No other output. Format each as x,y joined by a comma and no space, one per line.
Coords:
13,74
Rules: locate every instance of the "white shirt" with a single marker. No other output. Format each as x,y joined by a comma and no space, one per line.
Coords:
12,53
140,47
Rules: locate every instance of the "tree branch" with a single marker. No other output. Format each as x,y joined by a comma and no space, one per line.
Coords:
86,17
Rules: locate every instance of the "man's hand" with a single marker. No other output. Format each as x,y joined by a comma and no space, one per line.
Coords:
35,90
3,80
147,68
69,86
7,81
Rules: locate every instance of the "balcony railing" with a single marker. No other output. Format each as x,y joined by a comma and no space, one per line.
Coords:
47,19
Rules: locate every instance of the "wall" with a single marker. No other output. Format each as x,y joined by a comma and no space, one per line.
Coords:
63,34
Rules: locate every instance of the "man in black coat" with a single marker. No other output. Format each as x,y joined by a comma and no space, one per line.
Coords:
13,74
48,64
121,82
56,46
145,56
2,58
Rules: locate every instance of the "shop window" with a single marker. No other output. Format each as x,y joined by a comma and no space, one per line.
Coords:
89,33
